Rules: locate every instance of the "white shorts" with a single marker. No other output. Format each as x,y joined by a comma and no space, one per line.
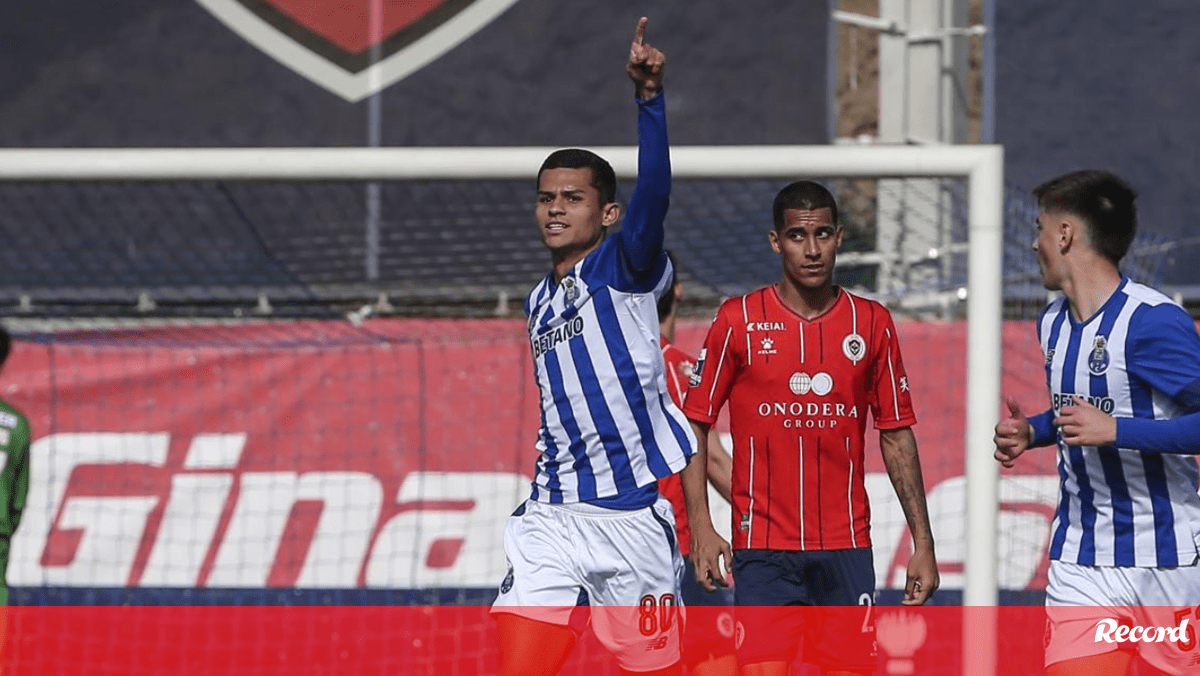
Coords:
625,565
1079,598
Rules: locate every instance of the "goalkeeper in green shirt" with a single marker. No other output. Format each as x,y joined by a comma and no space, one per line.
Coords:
14,470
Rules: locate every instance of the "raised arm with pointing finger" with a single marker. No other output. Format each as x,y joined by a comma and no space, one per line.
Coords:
642,235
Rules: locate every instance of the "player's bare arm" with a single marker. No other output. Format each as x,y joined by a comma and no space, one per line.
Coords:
720,466
1085,425
899,448
646,64
1014,435
707,545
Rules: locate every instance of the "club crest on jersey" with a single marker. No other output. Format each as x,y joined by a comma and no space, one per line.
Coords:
694,378
854,347
572,291
1098,358
507,584
1049,356
820,384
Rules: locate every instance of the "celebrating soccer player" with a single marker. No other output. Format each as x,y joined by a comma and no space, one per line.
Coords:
802,363
1123,368
595,529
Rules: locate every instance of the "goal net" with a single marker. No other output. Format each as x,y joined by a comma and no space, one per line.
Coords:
288,378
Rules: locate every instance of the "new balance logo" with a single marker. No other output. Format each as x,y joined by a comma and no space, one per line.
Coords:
657,644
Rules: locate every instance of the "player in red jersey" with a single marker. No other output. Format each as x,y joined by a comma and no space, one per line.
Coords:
801,364
708,637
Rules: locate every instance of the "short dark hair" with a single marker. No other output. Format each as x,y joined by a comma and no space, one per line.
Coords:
804,195
1102,200
667,302
604,179
5,345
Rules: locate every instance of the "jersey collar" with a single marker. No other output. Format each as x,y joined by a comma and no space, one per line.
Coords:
1107,305
841,295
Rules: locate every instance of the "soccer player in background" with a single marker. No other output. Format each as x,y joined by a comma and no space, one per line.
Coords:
708,648
14,475
1123,368
801,364
14,483
595,530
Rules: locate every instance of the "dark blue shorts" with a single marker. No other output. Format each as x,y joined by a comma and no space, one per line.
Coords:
821,601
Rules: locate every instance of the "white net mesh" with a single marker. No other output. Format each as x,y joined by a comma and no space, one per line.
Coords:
191,457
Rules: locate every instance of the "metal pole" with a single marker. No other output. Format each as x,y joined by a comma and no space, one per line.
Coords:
987,103
374,139
831,75
461,163
980,592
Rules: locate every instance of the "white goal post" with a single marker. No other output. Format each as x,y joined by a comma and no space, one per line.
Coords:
981,166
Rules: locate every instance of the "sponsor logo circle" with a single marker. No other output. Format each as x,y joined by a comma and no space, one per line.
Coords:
800,383
822,383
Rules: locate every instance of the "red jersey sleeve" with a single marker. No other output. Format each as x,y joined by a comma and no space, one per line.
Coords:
680,367
715,369
891,407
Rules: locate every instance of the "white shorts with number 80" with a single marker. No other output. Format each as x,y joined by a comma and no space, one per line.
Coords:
625,565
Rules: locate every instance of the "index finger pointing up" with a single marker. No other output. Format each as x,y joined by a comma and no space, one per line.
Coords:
640,34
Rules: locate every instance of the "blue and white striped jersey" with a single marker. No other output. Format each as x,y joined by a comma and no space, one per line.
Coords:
1137,357
609,428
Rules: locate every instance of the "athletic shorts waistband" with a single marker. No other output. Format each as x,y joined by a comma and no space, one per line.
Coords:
588,509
